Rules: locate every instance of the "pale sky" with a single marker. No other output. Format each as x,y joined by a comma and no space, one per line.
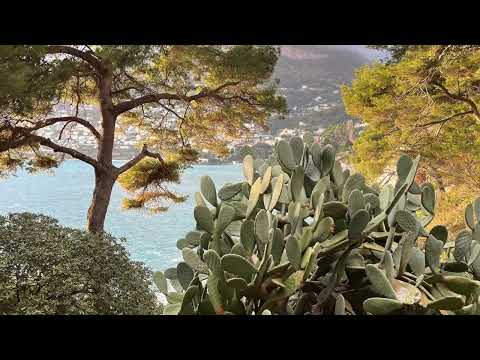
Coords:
371,54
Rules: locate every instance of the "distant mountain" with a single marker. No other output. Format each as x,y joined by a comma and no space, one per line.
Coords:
310,79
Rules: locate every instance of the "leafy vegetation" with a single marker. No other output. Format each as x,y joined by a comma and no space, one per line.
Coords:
46,268
302,236
422,102
178,97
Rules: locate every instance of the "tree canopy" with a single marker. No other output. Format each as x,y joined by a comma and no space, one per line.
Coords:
179,98
425,102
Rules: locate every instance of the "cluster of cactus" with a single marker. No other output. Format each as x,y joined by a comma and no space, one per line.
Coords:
300,235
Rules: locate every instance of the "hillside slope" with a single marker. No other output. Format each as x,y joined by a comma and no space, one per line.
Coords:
310,78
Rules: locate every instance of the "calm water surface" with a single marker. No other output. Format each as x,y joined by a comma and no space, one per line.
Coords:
65,195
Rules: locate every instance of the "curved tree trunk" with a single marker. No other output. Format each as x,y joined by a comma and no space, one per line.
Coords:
104,178
100,200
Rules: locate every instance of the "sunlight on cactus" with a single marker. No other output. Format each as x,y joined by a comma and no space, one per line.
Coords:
300,235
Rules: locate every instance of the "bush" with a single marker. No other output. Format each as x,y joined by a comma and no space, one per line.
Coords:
46,268
300,235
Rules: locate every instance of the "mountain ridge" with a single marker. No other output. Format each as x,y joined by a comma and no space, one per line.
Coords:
310,77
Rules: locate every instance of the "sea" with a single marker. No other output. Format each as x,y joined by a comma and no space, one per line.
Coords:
65,194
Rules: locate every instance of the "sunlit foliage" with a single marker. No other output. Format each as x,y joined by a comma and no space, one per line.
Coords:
423,101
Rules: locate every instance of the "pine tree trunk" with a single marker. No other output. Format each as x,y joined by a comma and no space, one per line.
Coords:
100,200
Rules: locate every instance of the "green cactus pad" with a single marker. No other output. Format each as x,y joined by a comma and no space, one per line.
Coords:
285,155
340,305
306,238
181,243
316,152
296,184
323,229
247,235
358,223
225,217
335,209
276,170
328,159
415,189
474,254
248,169
207,187
199,200
296,144
428,197
379,280
356,202
184,274
239,284
266,178
404,164
229,191
406,246
214,295
237,265
277,185
172,309
204,218
174,297
212,260
417,261
278,245
469,216
373,200
294,251
389,266
461,285
306,257
450,303
239,250
171,273
381,306
318,199
194,261
386,196
308,137
355,181
160,281
433,250
262,227
254,197
193,238
440,232
407,221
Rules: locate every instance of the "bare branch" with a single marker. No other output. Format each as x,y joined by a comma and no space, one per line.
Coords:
72,152
76,119
464,99
85,56
391,131
152,98
116,92
140,156
444,120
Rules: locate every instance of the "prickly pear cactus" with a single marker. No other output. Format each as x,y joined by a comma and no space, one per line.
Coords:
300,235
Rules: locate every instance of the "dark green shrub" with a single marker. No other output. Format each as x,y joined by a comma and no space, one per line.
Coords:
46,268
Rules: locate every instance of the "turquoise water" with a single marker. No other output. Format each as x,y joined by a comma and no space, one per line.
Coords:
65,195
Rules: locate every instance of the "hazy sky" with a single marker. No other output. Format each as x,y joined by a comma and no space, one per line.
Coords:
369,53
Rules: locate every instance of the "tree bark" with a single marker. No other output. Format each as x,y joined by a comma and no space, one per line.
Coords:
97,211
104,178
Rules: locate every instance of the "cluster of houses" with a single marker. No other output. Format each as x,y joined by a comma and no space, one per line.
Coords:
260,141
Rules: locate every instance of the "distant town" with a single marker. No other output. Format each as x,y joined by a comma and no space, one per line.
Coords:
127,143
310,80
261,142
